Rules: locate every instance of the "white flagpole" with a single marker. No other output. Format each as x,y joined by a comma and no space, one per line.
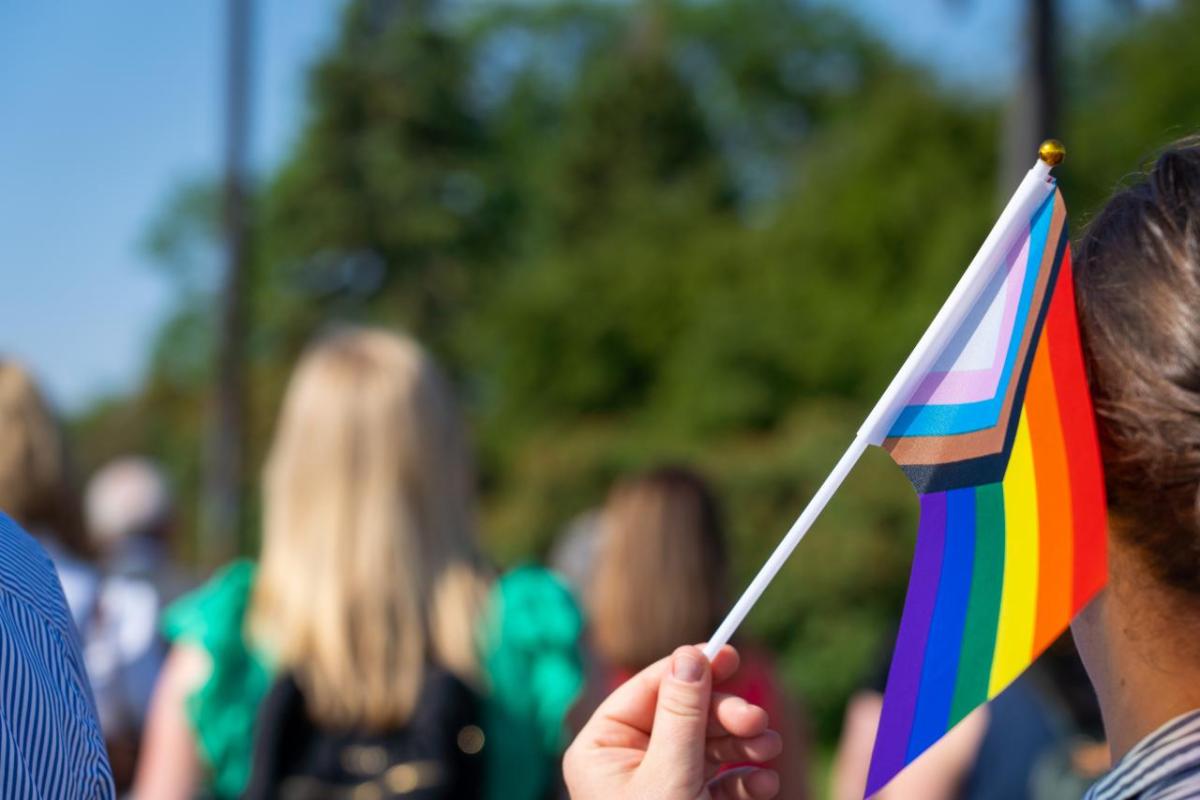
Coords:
1033,190
785,547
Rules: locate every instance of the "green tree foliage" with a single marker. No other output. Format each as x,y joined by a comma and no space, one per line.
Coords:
394,170
1132,92
702,232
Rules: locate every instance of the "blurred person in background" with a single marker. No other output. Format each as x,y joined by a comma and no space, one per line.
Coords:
52,746
129,513
659,583
371,629
1039,739
573,557
38,490
130,516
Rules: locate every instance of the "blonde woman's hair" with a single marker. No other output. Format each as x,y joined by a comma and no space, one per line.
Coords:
36,484
660,576
369,568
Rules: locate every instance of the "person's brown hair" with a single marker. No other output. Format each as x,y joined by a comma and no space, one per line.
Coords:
1137,281
660,574
37,487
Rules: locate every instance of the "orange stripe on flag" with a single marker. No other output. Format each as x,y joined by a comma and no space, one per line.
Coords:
1055,526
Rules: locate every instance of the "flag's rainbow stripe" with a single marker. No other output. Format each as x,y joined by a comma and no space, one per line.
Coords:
1012,539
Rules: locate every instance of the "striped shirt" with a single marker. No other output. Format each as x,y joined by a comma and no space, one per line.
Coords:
1163,766
50,741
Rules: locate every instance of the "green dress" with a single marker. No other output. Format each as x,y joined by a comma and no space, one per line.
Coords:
529,651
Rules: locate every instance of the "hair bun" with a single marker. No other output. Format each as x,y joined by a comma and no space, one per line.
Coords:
1176,181
1137,278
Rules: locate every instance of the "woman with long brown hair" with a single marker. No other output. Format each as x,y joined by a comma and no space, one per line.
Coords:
660,582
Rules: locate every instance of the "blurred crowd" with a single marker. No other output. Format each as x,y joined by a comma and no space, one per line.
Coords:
370,650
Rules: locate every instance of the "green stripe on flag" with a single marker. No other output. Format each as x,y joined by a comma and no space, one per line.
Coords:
983,606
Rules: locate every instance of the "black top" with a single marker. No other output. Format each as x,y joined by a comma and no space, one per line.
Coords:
434,756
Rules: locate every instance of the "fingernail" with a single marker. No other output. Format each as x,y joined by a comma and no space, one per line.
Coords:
688,666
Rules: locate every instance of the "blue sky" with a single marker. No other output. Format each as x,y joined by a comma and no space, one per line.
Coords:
103,110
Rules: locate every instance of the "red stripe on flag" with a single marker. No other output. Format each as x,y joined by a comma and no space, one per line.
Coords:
1079,435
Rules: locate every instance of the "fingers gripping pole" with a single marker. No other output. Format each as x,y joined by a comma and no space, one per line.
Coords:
785,547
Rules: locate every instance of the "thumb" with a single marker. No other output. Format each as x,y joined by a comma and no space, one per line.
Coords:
676,750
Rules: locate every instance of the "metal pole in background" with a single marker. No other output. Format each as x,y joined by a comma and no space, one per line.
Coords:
223,485
1043,30
1033,113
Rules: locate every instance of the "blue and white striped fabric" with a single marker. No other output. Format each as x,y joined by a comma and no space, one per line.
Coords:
1163,766
50,741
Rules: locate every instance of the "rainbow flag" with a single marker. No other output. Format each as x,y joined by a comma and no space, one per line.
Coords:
999,441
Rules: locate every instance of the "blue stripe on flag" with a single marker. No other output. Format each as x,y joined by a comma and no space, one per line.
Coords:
948,420
936,695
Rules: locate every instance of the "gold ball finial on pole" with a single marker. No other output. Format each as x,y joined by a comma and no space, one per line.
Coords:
1052,152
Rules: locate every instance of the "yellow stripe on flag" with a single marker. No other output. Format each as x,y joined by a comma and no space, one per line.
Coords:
1018,603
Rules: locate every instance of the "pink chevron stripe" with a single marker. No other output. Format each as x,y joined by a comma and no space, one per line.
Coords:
969,386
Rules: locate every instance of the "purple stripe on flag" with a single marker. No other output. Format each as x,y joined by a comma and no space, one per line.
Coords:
904,677
940,673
